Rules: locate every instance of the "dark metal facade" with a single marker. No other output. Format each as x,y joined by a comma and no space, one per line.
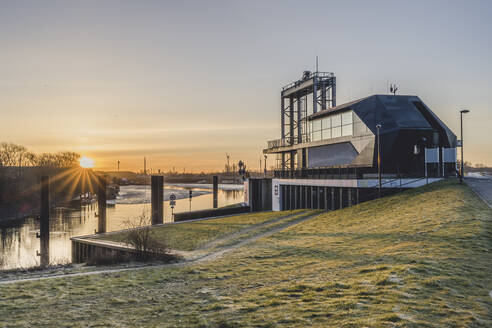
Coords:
408,127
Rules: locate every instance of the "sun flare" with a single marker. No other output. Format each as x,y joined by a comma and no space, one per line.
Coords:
86,162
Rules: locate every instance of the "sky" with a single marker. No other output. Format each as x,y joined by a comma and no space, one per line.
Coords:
185,82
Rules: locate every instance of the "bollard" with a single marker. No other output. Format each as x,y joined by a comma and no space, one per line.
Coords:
215,189
45,221
157,198
101,204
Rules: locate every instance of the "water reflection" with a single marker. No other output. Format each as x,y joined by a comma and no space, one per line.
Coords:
18,242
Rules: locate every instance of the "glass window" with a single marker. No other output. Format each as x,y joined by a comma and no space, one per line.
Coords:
326,134
317,125
347,130
316,135
347,118
336,132
336,120
326,123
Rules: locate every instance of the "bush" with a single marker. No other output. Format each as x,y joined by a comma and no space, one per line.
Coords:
147,246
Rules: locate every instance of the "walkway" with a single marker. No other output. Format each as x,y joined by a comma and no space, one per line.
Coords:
483,188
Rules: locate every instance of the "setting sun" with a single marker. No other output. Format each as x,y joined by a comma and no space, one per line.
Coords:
86,162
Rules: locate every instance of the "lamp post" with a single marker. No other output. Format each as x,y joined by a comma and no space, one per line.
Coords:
265,169
464,111
378,127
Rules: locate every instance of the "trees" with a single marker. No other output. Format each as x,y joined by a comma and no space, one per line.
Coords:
13,155
17,155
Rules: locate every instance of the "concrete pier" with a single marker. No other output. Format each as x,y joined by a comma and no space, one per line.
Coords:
215,191
86,249
101,204
157,199
45,221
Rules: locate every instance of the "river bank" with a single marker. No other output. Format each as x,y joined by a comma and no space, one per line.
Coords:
18,242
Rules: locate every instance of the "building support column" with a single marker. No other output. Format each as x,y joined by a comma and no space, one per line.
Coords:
332,207
327,206
298,197
312,198
306,197
291,193
341,197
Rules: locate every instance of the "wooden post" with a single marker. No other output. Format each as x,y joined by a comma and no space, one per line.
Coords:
101,204
45,221
157,198
215,190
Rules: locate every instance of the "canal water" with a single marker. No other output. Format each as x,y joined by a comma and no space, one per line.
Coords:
19,244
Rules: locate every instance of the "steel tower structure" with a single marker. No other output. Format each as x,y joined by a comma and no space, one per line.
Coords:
321,86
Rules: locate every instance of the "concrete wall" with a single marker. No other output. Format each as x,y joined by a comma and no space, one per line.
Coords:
334,193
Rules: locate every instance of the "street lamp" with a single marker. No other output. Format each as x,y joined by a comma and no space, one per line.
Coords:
464,111
265,169
378,127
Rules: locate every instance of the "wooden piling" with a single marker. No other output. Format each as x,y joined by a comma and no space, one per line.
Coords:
101,204
45,221
157,198
215,190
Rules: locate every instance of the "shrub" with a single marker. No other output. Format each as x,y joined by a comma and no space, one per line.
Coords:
147,246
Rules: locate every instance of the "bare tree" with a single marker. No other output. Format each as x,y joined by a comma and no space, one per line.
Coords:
12,154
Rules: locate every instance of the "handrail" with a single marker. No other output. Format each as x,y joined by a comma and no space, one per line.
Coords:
287,141
310,76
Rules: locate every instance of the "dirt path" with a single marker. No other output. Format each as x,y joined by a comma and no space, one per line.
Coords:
221,240
214,255
192,257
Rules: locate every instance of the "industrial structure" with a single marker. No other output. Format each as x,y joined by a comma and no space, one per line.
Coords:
333,156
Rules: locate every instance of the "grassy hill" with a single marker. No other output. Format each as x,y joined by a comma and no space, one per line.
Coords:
421,258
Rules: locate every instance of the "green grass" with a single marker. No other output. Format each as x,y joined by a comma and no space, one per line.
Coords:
188,236
422,258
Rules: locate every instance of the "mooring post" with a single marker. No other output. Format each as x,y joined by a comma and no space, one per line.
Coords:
216,190
157,198
101,204
45,222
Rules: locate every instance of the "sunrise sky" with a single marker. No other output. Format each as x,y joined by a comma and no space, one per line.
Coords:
184,82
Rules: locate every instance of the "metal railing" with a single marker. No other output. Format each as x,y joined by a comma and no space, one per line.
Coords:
287,141
344,173
307,77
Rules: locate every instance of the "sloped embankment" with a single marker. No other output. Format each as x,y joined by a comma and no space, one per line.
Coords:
421,258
